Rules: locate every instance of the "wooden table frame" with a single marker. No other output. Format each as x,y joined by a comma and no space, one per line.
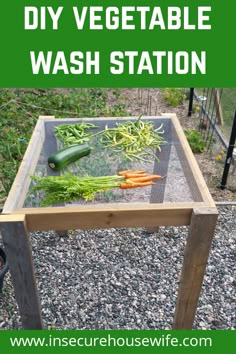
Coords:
17,221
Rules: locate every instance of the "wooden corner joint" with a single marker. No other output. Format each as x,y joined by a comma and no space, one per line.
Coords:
205,211
12,218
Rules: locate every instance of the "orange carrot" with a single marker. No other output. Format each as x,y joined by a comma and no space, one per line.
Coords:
133,175
145,178
123,173
135,185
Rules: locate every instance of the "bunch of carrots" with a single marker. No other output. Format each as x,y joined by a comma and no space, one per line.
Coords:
68,187
134,179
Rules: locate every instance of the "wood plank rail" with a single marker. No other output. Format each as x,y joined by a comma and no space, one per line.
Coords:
107,218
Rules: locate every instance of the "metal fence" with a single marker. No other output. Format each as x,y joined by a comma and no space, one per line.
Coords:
213,122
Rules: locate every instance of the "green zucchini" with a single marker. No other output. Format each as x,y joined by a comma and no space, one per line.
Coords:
68,155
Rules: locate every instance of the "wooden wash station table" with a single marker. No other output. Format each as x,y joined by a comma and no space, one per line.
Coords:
181,198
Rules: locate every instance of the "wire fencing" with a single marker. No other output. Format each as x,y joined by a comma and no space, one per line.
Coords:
217,119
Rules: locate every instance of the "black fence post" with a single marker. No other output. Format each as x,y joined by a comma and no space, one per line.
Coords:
229,154
190,106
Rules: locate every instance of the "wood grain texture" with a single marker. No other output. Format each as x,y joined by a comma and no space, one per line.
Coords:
144,215
18,250
196,254
106,119
107,219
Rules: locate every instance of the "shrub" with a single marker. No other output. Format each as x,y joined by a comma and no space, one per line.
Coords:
195,140
174,96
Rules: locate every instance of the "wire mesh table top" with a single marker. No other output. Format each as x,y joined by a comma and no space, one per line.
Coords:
177,185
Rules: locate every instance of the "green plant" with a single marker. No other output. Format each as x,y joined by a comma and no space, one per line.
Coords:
133,138
69,188
70,134
64,157
174,96
195,140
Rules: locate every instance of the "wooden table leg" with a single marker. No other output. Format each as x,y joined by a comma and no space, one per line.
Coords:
196,254
18,250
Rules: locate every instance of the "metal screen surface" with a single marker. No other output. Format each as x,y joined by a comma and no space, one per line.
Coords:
177,185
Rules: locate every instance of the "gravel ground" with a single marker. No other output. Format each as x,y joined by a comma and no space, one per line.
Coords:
126,279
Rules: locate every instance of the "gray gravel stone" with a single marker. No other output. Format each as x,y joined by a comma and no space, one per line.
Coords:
126,279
